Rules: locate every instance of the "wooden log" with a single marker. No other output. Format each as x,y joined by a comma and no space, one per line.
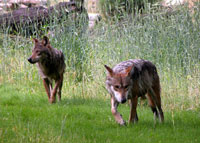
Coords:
25,18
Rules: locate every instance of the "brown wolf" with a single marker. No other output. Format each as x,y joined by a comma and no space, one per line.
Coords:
51,66
132,79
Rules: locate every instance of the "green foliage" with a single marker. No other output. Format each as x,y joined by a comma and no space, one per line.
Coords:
73,42
171,43
37,25
119,8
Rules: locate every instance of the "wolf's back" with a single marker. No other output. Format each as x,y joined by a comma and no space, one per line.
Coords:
58,59
121,67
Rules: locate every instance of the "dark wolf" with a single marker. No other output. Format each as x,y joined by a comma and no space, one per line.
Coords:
51,66
130,80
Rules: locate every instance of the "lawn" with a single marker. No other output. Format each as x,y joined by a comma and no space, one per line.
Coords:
170,42
30,118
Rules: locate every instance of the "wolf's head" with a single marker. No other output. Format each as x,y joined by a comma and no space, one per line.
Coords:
40,50
119,84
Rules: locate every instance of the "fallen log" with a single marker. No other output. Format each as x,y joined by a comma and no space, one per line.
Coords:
27,20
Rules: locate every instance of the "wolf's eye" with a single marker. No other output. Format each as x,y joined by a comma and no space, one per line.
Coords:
116,86
126,87
38,52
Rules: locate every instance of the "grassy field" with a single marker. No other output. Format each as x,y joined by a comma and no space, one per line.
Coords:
171,43
29,118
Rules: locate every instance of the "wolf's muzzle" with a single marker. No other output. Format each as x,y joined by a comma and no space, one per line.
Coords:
123,101
30,60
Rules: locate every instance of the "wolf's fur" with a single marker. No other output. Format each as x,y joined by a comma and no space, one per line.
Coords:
132,79
51,66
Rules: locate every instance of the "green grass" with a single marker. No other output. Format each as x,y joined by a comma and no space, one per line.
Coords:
30,118
171,43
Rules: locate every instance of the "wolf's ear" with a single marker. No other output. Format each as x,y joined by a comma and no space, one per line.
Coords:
110,71
35,40
134,72
130,70
45,41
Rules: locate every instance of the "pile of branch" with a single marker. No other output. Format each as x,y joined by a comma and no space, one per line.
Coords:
39,16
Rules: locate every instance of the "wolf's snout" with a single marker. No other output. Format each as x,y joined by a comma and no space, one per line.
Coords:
30,60
123,101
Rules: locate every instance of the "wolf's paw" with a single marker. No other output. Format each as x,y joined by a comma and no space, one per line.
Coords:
122,123
133,121
52,101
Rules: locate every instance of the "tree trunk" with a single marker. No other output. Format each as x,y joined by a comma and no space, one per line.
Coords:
30,19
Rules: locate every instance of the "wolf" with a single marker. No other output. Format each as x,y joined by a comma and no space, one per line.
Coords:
51,66
130,80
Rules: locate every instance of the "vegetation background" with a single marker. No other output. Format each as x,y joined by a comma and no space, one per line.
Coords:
170,42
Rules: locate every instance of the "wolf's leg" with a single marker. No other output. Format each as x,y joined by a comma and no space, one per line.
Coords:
46,86
155,95
53,94
136,117
152,105
158,104
133,113
156,88
116,114
50,87
161,114
60,89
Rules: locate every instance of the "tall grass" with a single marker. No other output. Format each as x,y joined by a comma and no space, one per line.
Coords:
171,43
